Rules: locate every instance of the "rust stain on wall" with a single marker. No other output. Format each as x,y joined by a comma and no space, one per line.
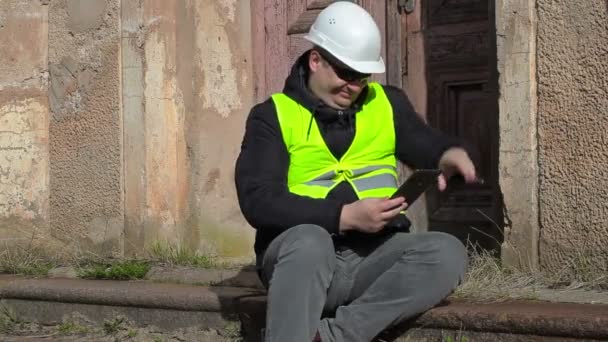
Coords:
24,115
166,163
223,98
23,37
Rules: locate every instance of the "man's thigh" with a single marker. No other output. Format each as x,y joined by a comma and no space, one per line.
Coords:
360,263
312,242
378,257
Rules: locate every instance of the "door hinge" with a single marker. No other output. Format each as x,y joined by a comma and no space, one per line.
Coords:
406,6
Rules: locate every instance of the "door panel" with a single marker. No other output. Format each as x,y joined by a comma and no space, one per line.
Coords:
463,101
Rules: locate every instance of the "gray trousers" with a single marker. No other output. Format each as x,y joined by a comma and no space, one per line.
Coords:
362,288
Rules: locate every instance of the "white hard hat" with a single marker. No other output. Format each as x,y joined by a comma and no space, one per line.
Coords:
350,34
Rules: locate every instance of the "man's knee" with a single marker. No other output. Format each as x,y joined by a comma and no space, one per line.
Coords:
450,253
309,244
447,252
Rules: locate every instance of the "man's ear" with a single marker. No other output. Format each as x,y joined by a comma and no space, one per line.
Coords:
314,61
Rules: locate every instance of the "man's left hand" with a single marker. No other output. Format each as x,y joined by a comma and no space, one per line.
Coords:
456,160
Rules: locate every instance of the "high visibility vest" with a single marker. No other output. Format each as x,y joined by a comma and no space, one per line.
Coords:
369,164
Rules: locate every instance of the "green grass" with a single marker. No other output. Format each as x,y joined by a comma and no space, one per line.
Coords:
8,319
178,255
111,327
455,339
232,330
123,270
68,328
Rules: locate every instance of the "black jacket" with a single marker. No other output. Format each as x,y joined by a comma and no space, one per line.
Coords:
261,168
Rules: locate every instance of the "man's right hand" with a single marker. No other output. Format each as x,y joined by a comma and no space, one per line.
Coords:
370,215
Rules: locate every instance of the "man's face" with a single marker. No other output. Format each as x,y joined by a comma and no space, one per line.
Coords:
337,85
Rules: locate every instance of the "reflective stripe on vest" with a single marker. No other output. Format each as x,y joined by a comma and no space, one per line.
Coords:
369,164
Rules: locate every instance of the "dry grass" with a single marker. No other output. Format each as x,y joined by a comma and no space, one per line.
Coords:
488,280
25,260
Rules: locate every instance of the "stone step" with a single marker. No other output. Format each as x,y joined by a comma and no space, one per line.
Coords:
167,306
177,306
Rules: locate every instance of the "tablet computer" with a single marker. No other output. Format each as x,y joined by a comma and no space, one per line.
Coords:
416,184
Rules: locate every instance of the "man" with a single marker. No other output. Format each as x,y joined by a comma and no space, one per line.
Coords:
317,165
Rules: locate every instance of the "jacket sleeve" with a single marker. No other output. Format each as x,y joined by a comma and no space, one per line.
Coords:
418,145
261,180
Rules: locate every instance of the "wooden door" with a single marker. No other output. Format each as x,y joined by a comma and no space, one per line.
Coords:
278,30
462,100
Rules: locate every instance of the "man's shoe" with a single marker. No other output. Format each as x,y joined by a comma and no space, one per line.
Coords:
317,338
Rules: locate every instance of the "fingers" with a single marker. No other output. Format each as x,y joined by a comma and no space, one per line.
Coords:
389,214
442,182
468,172
391,203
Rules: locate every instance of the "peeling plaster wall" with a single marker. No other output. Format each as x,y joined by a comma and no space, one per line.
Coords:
224,98
573,135
86,192
187,91
24,119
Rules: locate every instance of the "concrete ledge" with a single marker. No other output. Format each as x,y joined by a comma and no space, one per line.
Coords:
172,306
527,318
531,319
198,276
443,335
125,293
52,313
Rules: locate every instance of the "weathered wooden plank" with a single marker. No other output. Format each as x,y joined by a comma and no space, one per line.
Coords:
258,36
415,84
378,11
276,54
297,44
304,22
318,4
394,60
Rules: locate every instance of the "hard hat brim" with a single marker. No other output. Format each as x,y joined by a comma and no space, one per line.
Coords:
377,67
364,67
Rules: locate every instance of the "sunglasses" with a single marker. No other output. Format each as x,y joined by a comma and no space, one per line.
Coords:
342,71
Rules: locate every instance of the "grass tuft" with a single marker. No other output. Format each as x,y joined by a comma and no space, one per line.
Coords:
176,255
111,327
8,319
123,270
69,328
24,260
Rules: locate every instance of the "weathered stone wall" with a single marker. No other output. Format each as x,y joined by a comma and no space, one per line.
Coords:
187,90
24,120
573,135
86,190
121,122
